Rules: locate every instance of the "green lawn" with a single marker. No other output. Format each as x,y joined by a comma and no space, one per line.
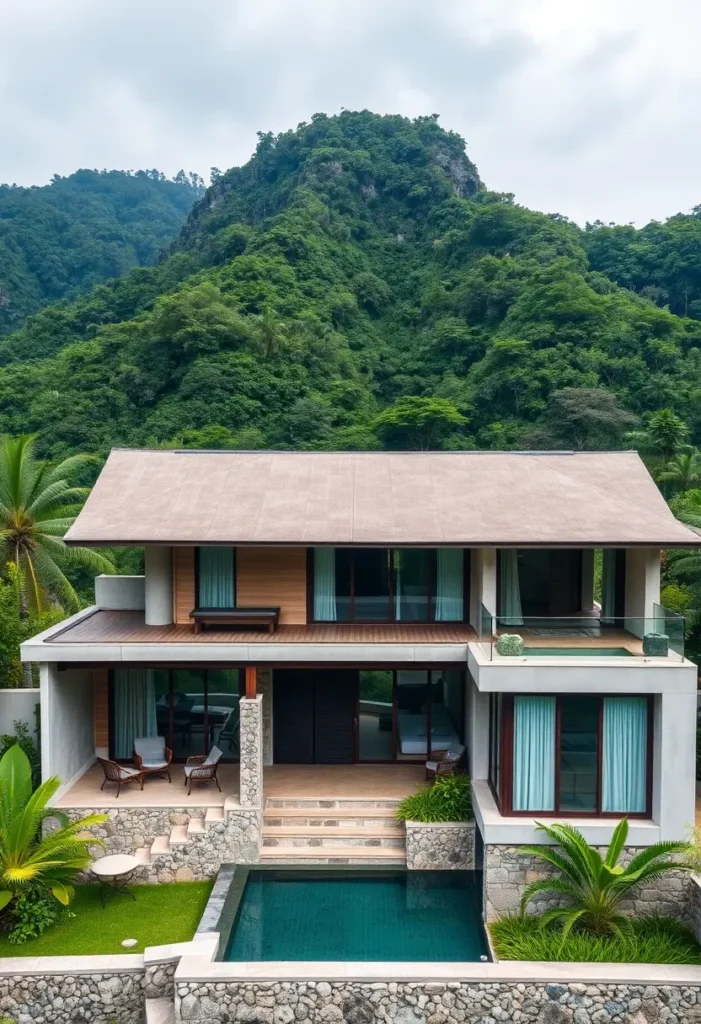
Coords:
161,914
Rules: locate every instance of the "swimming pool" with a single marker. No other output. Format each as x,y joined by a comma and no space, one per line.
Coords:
578,652
348,915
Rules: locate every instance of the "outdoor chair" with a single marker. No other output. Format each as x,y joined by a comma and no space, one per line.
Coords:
120,773
445,762
230,730
152,756
203,769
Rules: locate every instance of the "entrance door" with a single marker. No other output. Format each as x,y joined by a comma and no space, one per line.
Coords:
314,716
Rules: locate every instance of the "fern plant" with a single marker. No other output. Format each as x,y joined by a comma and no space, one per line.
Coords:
448,799
594,885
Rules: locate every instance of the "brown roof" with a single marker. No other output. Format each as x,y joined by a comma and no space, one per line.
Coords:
382,498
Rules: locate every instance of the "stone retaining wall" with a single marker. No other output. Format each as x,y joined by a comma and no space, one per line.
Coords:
507,872
29,998
435,1003
440,847
236,839
692,905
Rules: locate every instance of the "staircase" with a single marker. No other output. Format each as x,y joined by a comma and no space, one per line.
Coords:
162,847
332,831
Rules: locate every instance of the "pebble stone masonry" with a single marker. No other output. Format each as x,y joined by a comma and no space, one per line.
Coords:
290,1002
72,998
441,847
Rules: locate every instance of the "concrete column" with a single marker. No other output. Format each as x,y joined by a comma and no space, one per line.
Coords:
47,682
642,588
477,730
674,763
483,583
265,689
251,752
158,565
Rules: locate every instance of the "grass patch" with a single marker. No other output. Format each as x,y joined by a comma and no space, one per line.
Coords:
657,940
160,914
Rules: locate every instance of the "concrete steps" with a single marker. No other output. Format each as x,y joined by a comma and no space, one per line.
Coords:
180,835
332,831
160,1011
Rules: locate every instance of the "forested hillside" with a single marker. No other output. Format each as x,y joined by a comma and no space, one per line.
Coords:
355,285
61,239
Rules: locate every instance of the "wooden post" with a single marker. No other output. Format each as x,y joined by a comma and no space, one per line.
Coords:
251,682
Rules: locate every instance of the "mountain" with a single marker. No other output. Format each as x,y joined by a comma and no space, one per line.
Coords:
59,240
356,285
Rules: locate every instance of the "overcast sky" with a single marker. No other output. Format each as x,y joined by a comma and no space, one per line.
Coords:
589,108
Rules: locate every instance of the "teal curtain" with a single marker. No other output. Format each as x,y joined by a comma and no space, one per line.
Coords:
534,754
216,578
325,584
449,585
134,708
624,761
608,586
511,614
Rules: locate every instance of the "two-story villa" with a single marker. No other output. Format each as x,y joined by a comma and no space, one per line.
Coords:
330,619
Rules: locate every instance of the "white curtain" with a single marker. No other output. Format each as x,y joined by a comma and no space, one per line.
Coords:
608,586
511,614
325,584
134,708
449,585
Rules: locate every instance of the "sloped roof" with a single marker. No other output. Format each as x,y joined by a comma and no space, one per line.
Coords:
471,499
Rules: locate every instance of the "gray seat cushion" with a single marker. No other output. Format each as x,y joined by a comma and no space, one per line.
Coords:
126,771
151,748
153,764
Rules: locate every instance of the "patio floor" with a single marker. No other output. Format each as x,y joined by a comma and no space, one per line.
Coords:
315,781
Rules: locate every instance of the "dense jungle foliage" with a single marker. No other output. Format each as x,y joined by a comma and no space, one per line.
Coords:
356,286
58,240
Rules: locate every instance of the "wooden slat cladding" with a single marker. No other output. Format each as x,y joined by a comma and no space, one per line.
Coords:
273,577
183,584
101,707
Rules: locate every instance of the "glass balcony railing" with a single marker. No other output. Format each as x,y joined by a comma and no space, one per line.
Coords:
586,636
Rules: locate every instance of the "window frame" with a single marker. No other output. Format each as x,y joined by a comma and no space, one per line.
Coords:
198,547
504,796
391,604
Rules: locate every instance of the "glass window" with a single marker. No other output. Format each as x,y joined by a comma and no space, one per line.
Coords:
371,584
495,708
223,695
189,713
579,746
375,716
343,584
412,583
412,714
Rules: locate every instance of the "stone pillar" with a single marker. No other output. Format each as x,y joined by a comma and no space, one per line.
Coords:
251,752
158,569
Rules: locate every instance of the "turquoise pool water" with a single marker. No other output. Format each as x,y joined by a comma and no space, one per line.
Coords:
579,652
409,915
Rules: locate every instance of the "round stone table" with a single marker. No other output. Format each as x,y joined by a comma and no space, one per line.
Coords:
113,873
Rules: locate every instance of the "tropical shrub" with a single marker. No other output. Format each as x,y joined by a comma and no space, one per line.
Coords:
654,940
510,645
448,799
23,739
35,864
34,910
592,885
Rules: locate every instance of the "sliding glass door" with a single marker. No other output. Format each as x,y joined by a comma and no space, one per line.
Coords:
193,709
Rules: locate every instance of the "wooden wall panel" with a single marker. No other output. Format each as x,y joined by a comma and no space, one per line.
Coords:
101,708
183,584
273,577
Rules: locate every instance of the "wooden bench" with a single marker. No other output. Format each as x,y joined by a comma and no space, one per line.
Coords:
202,617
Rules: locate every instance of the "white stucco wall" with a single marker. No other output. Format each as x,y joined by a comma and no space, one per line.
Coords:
158,594
476,729
120,593
18,706
642,588
67,722
483,583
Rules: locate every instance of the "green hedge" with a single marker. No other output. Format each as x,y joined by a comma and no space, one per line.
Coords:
657,940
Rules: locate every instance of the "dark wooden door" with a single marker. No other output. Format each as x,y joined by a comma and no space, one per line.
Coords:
293,717
335,701
565,581
314,716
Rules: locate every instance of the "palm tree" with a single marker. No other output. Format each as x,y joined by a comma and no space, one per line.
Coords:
37,506
684,470
29,859
664,435
594,885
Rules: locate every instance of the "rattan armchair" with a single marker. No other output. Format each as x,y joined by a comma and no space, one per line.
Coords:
152,756
202,769
120,773
446,762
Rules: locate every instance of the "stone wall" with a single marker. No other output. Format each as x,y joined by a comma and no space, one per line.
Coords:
251,752
435,1003
235,839
507,872
73,998
692,905
440,847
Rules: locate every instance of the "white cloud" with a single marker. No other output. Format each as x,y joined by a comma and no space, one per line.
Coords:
588,107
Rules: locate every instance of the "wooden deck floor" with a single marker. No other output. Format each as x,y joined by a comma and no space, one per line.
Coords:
106,627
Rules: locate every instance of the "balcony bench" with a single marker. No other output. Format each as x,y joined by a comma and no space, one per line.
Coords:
202,617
